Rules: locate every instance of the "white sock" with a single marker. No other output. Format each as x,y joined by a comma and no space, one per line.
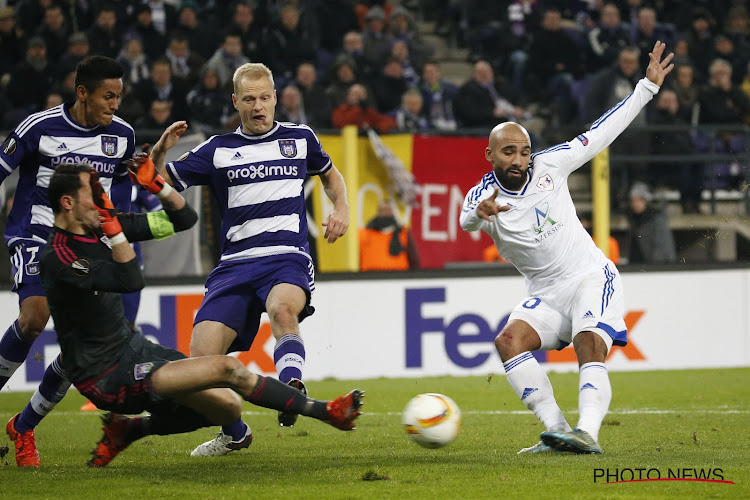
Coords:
532,385
594,395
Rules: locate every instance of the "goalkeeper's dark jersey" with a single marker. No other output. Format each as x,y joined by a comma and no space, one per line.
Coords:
84,286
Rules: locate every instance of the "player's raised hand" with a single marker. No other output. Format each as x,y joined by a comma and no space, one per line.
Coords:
171,135
489,207
658,69
107,215
336,225
143,172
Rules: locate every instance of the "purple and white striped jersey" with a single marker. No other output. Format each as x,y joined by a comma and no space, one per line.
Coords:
45,140
258,182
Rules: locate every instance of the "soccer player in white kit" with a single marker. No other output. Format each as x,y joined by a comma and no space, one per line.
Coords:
575,292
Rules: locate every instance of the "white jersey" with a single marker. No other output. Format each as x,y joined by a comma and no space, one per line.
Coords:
541,234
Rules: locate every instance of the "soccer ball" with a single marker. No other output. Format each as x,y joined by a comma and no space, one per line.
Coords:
432,420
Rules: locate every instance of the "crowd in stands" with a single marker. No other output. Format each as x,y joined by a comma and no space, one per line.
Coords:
544,63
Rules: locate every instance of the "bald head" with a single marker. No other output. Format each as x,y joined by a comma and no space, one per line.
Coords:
508,130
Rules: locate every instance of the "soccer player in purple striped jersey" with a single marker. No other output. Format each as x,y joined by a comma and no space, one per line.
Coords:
257,174
575,292
85,131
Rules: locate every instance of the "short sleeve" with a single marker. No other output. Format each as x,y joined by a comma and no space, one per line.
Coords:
318,161
194,168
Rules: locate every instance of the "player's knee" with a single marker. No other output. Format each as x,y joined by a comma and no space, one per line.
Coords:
283,314
507,344
32,325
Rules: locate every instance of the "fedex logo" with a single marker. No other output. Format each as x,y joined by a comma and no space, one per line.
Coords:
480,331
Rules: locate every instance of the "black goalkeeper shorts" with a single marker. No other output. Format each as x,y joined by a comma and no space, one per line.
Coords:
126,386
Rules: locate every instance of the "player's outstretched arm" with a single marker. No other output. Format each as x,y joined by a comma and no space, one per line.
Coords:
337,221
166,142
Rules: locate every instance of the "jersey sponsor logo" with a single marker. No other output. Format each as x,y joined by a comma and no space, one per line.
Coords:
81,267
141,370
262,171
109,145
588,314
9,146
99,166
288,148
545,183
584,140
542,218
62,147
237,156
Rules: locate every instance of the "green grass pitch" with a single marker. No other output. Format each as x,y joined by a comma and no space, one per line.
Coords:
663,420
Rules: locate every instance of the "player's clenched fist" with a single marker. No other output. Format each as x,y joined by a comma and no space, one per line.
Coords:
489,207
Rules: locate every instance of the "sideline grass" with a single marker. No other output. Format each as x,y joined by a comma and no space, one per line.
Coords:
694,419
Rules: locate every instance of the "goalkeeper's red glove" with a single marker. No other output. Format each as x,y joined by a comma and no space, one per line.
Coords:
143,173
107,215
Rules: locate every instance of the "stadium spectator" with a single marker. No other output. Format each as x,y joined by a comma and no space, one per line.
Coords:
674,139
134,61
158,118
339,19
53,99
687,91
608,38
290,106
376,41
721,101
385,245
227,59
161,86
389,86
554,62
55,31
186,64
154,42
250,31
737,26
343,76
438,96
286,45
404,29
30,14
409,116
314,98
262,269
353,47
104,35
200,38
484,101
30,80
163,15
78,49
700,40
650,237
565,271
12,41
400,52
358,110
737,57
209,104
647,31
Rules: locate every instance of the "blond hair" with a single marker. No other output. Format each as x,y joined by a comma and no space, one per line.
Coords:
252,71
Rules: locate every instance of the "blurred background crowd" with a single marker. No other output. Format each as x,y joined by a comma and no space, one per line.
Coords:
552,65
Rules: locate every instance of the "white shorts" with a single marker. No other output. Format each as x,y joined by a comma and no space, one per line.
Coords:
594,303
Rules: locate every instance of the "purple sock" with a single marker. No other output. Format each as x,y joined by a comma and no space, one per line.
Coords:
289,356
51,390
14,348
236,430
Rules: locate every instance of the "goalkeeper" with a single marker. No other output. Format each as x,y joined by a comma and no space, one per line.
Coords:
120,370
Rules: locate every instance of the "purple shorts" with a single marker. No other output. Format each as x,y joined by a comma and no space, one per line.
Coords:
236,292
24,259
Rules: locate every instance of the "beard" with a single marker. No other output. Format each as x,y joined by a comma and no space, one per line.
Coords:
511,183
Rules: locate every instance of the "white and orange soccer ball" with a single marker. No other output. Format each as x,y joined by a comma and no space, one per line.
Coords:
432,420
